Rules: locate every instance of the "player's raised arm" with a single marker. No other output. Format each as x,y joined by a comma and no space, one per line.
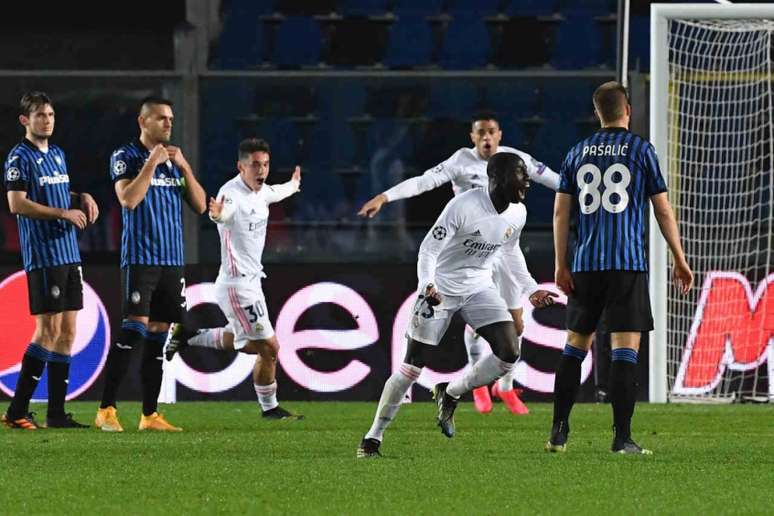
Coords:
221,210
413,186
132,191
276,193
194,193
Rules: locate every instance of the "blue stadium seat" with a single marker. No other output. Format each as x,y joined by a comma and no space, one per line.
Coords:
410,43
514,98
476,7
453,99
568,100
531,8
466,44
418,7
578,42
363,7
593,7
342,98
242,42
298,43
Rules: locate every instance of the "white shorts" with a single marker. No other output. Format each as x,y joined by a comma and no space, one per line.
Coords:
506,284
245,308
428,324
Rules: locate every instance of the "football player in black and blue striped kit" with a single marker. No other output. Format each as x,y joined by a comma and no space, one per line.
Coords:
608,179
48,214
152,179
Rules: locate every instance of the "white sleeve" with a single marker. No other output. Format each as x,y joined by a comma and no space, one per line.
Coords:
540,172
436,239
275,193
431,179
518,267
229,208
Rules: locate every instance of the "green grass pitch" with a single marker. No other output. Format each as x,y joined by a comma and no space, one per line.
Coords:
708,460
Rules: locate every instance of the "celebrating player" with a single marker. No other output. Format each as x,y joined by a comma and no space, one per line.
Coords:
151,179
242,212
466,169
48,213
610,176
455,275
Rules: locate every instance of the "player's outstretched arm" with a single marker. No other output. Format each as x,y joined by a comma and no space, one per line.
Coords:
221,210
540,172
276,193
411,187
562,275
662,210
19,204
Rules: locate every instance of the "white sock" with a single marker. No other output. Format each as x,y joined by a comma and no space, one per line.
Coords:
505,383
212,338
484,372
475,344
267,395
395,389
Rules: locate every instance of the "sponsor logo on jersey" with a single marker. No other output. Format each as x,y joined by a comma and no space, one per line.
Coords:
17,326
167,181
56,179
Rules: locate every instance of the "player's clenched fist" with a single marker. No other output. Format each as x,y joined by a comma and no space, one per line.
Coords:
158,155
176,155
75,217
542,298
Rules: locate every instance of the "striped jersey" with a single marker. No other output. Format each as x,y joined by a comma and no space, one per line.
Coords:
43,175
152,233
611,175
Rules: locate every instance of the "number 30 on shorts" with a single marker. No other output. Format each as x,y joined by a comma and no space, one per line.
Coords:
255,311
591,189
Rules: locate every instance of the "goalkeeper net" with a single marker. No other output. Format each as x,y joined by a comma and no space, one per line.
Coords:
720,337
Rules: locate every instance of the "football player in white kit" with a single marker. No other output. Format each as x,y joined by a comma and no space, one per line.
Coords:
241,212
466,169
454,269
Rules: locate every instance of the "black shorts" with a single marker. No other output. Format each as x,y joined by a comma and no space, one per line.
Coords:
55,289
620,298
156,292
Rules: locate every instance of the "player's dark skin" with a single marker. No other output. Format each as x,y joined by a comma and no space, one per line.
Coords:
506,186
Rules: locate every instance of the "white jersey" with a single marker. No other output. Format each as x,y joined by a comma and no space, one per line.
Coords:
242,227
466,169
467,240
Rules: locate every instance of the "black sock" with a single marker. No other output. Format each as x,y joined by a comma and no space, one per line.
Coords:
58,375
151,372
623,390
132,336
567,382
33,363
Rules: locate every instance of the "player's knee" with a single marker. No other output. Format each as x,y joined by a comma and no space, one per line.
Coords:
268,349
66,337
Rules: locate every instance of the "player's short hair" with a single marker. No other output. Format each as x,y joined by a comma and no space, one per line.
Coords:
154,100
484,115
610,101
31,101
250,145
500,163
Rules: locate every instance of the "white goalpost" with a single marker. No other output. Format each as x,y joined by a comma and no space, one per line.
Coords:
711,123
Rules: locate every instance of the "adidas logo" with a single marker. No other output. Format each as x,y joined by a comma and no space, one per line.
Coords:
477,232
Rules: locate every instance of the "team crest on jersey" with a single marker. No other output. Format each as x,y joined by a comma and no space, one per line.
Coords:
12,174
55,292
508,233
58,160
39,161
258,327
119,168
439,232
135,297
